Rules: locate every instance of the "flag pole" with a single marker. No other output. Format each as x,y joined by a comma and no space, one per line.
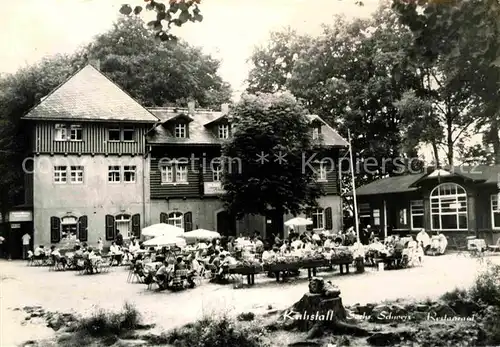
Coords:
356,221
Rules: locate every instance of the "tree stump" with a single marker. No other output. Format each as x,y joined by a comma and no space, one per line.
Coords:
321,310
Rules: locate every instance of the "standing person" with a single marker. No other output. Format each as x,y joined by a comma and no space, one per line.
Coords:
26,245
119,239
424,239
99,245
2,246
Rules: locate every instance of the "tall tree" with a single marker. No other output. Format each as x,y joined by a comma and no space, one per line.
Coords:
272,64
265,167
158,74
464,38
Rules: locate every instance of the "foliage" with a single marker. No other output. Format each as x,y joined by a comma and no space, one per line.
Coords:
178,13
215,332
158,74
486,288
274,125
20,92
463,39
273,64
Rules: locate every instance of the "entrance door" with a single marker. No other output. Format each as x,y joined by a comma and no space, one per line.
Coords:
274,224
226,224
15,238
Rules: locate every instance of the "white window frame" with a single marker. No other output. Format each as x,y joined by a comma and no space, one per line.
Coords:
494,209
180,130
181,173
75,133
70,221
115,129
122,219
131,170
128,130
403,216
60,174
453,194
217,173
419,206
322,173
76,174
112,171
60,132
376,216
223,131
167,174
176,219
315,133
318,215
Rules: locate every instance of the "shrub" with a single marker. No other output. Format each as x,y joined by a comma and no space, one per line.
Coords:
491,325
103,324
455,295
215,332
486,288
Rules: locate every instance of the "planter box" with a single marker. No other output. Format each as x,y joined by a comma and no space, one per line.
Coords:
340,261
282,267
245,270
313,263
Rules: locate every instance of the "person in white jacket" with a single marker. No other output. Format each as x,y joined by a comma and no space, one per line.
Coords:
424,239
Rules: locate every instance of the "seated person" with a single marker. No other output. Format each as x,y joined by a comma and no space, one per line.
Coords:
116,253
270,254
424,239
39,251
163,275
285,247
78,251
296,243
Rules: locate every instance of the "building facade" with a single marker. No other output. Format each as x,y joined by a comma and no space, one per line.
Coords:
459,202
102,163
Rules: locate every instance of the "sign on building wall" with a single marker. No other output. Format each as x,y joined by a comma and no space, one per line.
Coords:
213,188
15,226
20,216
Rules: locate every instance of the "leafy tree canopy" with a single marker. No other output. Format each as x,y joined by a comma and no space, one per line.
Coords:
268,127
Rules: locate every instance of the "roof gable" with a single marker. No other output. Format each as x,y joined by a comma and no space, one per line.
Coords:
89,95
389,185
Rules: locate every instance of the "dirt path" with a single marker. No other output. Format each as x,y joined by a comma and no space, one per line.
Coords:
69,292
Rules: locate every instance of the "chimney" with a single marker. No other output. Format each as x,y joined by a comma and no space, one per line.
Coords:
191,107
224,108
96,63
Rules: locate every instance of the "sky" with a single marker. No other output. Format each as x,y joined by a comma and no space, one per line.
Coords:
32,29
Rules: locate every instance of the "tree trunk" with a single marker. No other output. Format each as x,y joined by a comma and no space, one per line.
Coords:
495,139
435,151
449,143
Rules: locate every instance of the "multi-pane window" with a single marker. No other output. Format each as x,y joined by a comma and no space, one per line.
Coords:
181,173
128,134
417,214
61,132
123,225
448,207
69,227
76,174
114,173
175,219
174,173
76,133
167,174
217,173
376,217
60,174
223,131
114,134
322,173
495,212
129,173
403,217
318,218
180,130
315,133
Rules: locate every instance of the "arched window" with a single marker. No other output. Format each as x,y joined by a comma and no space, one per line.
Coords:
175,219
448,207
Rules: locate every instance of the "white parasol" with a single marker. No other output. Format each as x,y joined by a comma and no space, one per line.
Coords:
201,234
162,229
298,221
166,241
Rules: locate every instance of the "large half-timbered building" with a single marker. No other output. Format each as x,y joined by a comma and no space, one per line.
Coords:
101,163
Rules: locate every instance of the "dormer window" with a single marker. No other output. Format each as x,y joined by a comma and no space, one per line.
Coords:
180,130
315,133
223,131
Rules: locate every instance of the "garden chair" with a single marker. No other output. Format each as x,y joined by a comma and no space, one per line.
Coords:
136,273
179,279
459,244
495,247
57,264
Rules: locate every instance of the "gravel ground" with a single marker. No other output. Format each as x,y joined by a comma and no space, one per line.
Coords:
69,292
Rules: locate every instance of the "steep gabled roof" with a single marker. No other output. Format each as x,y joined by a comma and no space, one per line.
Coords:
328,134
89,95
